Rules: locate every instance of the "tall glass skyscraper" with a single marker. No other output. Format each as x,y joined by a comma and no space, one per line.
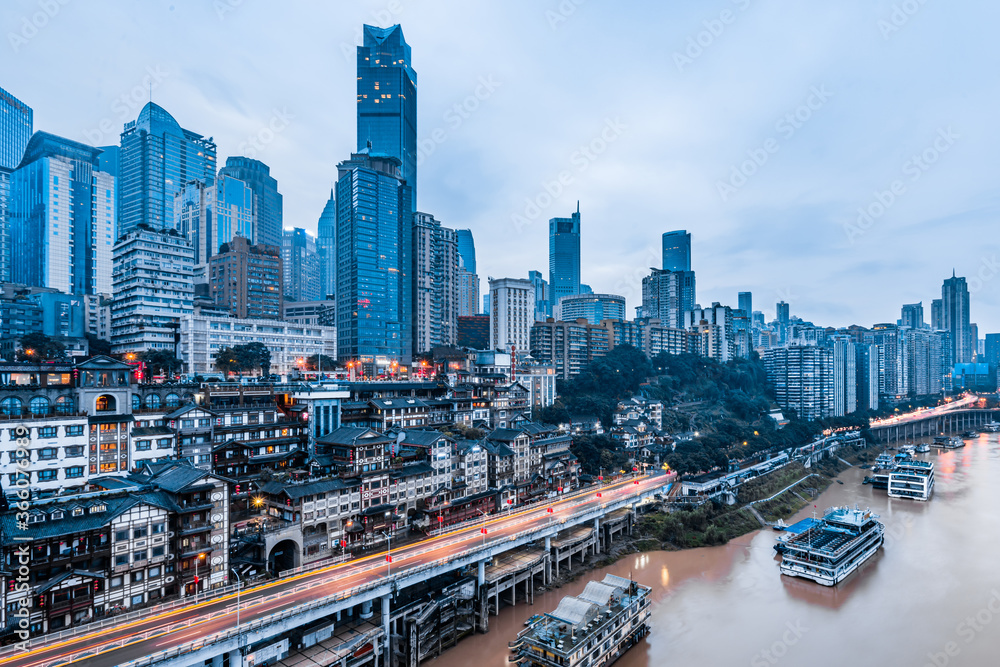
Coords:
564,256
62,217
374,241
955,312
267,201
300,265
157,159
387,100
16,122
234,211
467,249
677,251
326,244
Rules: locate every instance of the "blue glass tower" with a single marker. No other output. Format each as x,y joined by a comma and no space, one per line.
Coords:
326,245
564,256
374,241
677,251
157,159
267,201
467,249
16,121
387,100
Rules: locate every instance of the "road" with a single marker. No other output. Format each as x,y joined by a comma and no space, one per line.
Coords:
163,630
926,413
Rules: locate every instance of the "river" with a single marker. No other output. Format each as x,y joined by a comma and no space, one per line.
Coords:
931,596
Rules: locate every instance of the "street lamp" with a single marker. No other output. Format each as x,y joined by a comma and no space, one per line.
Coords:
239,585
197,561
388,551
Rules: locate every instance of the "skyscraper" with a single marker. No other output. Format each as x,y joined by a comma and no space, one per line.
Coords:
667,295
326,245
387,100
993,350
745,300
234,211
467,249
783,313
564,256
468,279
374,248
595,308
211,215
937,315
512,305
16,123
435,290
543,302
267,201
802,379
157,159
246,279
677,251
62,217
955,316
912,315
845,376
300,265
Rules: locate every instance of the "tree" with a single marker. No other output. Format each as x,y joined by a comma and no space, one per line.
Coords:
244,358
39,347
320,362
98,345
161,362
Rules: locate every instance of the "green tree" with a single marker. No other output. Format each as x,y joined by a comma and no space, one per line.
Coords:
244,358
39,347
320,362
161,362
98,345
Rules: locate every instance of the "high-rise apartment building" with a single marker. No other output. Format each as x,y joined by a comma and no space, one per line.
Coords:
715,329
845,376
387,101
246,279
802,379
912,315
594,308
326,246
867,366
157,158
569,346
543,302
267,201
667,295
955,319
937,315
16,126
782,313
512,309
745,303
62,217
153,289
301,265
564,256
374,260
677,251
435,290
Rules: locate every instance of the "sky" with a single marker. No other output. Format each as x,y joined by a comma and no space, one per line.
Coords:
840,156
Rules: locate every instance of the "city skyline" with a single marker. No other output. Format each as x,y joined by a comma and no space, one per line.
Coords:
791,232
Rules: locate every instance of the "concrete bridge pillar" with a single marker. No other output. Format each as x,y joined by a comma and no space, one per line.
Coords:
366,610
387,646
482,572
217,661
235,659
548,560
597,531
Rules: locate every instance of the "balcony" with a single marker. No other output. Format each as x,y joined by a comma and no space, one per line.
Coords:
195,528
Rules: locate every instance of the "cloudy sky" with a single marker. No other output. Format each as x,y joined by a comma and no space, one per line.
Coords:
841,156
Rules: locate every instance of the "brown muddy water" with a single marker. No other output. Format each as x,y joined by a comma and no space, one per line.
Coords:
931,596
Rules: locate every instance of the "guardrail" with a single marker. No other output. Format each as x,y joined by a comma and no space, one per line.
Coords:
270,619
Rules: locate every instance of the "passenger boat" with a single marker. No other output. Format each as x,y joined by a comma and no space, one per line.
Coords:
945,442
912,479
922,448
992,427
830,551
970,435
884,464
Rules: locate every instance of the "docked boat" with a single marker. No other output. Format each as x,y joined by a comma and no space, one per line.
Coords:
885,463
788,532
912,479
992,427
922,448
946,442
594,628
970,435
836,546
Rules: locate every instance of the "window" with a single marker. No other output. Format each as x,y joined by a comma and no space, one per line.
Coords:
74,472
47,453
158,551
64,405
121,535
121,559
116,582
11,406
153,402
137,600
136,577
204,422
187,423
237,419
136,402
143,445
140,531
74,430
172,400
159,528
39,405
139,556
48,432
154,572
47,476
164,443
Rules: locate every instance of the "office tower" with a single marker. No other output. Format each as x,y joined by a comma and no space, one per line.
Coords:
595,308
387,101
782,309
569,346
677,251
845,377
194,218
715,329
247,279
300,265
326,246
512,306
62,217
16,126
745,300
955,318
991,351
543,304
912,315
973,340
467,249
564,256
156,160
153,289
885,337
486,304
234,211
267,201
468,279
667,295
802,379
435,290
374,248
866,365
937,315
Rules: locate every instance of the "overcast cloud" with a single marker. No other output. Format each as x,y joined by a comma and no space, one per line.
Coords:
760,126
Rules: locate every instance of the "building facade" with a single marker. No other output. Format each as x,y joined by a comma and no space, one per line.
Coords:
267,201
564,256
16,126
677,251
667,295
435,289
594,308
301,265
512,310
246,279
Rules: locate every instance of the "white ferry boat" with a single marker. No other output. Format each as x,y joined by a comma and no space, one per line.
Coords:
831,550
946,442
912,479
992,427
922,448
884,464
